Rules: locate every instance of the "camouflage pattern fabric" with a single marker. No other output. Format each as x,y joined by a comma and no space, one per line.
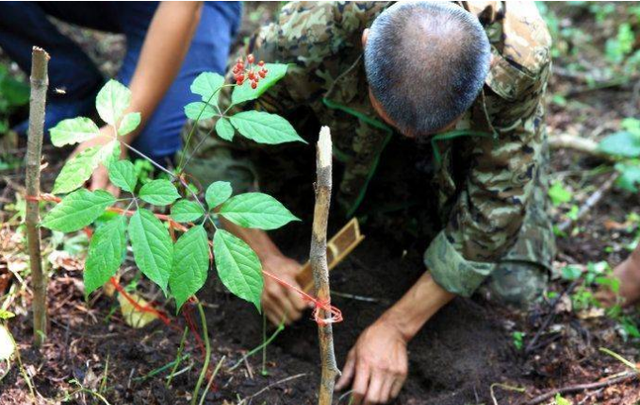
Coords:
483,187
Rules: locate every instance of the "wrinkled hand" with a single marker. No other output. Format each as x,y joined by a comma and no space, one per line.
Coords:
377,364
278,301
100,177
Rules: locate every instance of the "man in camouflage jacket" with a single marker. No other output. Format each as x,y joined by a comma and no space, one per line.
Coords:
487,166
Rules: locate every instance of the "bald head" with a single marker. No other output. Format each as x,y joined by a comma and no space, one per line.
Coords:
426,63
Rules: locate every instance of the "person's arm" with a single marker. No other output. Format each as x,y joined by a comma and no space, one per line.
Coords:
165,46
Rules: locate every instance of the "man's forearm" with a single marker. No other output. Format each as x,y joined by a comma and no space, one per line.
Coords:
417,306
165,46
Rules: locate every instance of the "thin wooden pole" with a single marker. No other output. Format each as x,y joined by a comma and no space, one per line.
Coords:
39,85
318,259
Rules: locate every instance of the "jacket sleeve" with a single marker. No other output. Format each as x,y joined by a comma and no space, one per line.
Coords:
492,201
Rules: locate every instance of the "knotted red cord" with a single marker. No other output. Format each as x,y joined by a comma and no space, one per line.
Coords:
318,305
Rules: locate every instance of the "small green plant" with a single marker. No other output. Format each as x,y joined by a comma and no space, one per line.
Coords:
559,400
518,340
179,268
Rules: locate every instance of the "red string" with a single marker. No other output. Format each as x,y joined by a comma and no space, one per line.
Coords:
186,311
319,305
147,308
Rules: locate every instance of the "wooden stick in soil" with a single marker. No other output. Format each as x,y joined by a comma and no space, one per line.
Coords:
318,259
39,85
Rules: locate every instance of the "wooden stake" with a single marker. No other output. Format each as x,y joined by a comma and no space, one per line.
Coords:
318,259
39,85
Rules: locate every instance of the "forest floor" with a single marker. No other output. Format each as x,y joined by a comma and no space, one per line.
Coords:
472,352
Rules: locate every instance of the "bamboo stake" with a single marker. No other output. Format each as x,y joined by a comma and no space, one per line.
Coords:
39,85
318,258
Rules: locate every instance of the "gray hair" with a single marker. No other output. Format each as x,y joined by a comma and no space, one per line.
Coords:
426,62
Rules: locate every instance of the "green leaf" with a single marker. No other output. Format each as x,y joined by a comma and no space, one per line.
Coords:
559,194
190,264
4,315
199,111
186,211
78,169
622,143
73,130
107,251
629,177
263,127
78,210
275,72
159,192
571,272
224,129
217,193
256,210
559,400
129,123
238,267
207,85
122,173
632,125
152,247
112,100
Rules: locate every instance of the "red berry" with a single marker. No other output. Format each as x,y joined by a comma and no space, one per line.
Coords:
261,63
250,58
251,75
254,85
262,73
256,79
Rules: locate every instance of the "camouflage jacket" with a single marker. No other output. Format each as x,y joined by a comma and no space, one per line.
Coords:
483,211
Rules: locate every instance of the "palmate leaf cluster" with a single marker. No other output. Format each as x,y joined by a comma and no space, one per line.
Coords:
179,268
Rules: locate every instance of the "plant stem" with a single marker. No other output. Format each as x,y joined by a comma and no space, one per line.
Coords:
318,259
213,376
39,85
263,346
178,356
205,366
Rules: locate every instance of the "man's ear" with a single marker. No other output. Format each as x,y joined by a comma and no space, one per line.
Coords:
365,35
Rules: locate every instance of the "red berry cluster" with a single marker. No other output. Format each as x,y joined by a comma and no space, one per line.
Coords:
251,71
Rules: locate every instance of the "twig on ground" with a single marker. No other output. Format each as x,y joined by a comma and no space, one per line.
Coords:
268,387
583,387
318,259
590,202
579,144
549,318
39,85
504,387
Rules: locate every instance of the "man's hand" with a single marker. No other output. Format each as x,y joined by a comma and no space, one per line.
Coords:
377,364
100,176
279,302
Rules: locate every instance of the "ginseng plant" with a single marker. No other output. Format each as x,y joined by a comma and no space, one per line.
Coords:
179,267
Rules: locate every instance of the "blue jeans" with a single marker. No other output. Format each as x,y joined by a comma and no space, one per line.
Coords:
25,24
